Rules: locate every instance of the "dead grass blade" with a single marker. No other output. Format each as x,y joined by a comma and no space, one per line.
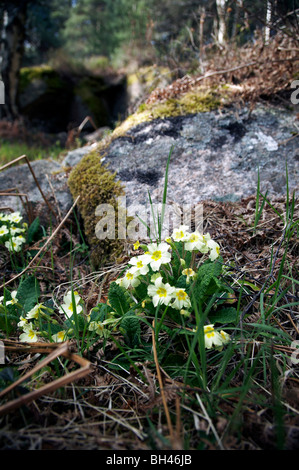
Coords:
173,435
54,351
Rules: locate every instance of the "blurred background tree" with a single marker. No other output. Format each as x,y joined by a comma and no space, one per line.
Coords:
176,33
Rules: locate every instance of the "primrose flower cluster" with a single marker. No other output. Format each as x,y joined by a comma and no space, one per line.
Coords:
29,323
12,231
155,268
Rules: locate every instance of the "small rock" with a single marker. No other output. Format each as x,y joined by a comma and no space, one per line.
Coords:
74,156
51,178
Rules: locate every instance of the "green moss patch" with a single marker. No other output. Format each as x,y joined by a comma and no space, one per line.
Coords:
96,185
195,101
43,73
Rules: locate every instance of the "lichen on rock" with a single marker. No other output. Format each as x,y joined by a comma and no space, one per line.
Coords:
198,100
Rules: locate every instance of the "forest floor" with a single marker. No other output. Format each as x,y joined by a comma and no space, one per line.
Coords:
256,402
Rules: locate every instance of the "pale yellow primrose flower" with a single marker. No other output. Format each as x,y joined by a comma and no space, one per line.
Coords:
181,299
13,300
215,249
195,242
35,311
15,217
14,230
23,322
59,337
181,234
13,245
158,254
189,273
67,307
160,292
225,337
3,230
130,279
20,239
214,338
140,264
29,335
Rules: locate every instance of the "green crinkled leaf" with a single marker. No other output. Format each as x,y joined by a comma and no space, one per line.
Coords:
181,282
207,282
117,299
141,291
33,230
225,315
28,293
130,326
214,267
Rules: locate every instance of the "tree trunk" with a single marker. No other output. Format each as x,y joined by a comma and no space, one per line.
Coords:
201,33
12,48
222,27
268,22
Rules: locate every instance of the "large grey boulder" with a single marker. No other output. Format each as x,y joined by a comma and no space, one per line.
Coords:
216,155
51,179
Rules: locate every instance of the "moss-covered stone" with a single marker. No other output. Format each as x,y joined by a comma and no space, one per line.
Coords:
45,96
43,73
96,185
150,77
91,91
195,101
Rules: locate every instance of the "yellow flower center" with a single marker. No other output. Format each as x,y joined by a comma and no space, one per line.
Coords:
156,255
208,329
194,238
129,276
31,334
188,272
179,234
139,264
210,334
181,295
161,292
